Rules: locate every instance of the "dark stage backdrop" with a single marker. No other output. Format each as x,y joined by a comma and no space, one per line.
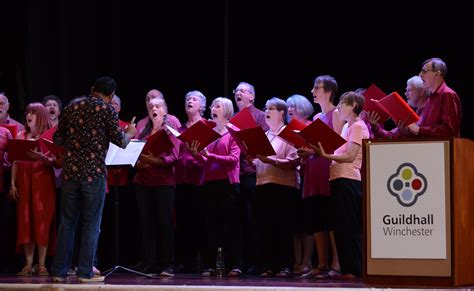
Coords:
60,47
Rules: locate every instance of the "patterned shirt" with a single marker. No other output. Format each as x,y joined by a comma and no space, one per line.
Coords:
86,126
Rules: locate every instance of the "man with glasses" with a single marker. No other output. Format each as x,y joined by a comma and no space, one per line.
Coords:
244,96
442,113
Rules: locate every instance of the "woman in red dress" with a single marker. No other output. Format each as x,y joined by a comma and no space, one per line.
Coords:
34,190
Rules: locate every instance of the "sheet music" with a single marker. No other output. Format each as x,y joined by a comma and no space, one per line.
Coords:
117,156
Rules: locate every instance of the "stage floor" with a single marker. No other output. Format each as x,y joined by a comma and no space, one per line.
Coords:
124,281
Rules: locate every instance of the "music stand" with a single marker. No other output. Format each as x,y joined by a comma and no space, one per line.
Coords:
119,159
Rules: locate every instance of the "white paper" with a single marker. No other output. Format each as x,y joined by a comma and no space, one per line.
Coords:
117,156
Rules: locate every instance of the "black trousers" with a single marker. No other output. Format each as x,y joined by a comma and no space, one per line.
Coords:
189,213
252,243
155,210
276,212
347,218
223,226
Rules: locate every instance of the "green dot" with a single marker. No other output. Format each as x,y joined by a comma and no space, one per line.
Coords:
406,174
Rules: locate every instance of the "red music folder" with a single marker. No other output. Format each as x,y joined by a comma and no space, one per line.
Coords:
200,131
48,134
17,149
318,131
374,93
398,108
48,146
252,141
243,119
291,134
158,143
12,128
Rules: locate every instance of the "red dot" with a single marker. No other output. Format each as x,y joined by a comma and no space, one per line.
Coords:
416,184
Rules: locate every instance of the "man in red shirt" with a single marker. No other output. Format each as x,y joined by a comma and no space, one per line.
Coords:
441,116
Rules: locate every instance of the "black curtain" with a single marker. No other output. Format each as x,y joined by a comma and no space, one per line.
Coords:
60,47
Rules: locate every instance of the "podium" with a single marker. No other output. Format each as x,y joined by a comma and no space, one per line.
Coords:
418,212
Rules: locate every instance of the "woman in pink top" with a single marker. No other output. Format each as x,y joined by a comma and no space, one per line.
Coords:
221,177
189,198
278,181
317,203
154,187
346,187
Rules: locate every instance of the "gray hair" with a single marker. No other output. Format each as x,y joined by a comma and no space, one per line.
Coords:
201,97
415,81
226,104
303,107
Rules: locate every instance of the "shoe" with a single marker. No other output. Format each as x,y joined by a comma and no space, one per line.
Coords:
95,271
167,272
313,273
284,273
302,270
208,273
235,273
41,271
95,278
252,270
267,274
26,271
56,279
329,274
71,271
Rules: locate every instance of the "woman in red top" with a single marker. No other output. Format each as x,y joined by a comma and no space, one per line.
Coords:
34,190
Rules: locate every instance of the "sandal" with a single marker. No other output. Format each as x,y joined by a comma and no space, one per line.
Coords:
267,274
301,271
208,273
284,273
329,274
313,273
26,271
41,271
235,273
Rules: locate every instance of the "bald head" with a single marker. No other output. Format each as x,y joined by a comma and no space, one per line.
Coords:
152,94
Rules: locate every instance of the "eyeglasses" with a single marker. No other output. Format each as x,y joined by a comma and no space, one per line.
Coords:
423,71
240,90
318,87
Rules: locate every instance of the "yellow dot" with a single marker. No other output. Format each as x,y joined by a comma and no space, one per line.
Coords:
406,174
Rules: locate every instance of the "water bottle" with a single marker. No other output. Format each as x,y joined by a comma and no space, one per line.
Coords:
220,265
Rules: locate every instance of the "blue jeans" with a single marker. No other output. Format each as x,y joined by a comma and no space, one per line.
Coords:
76,198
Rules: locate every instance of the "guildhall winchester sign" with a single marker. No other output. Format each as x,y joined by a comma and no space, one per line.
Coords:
408,206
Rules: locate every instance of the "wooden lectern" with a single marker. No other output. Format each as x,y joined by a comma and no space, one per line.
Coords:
418,212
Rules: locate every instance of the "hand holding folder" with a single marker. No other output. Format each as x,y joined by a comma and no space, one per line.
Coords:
372,95
48,146
200,132
397,108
